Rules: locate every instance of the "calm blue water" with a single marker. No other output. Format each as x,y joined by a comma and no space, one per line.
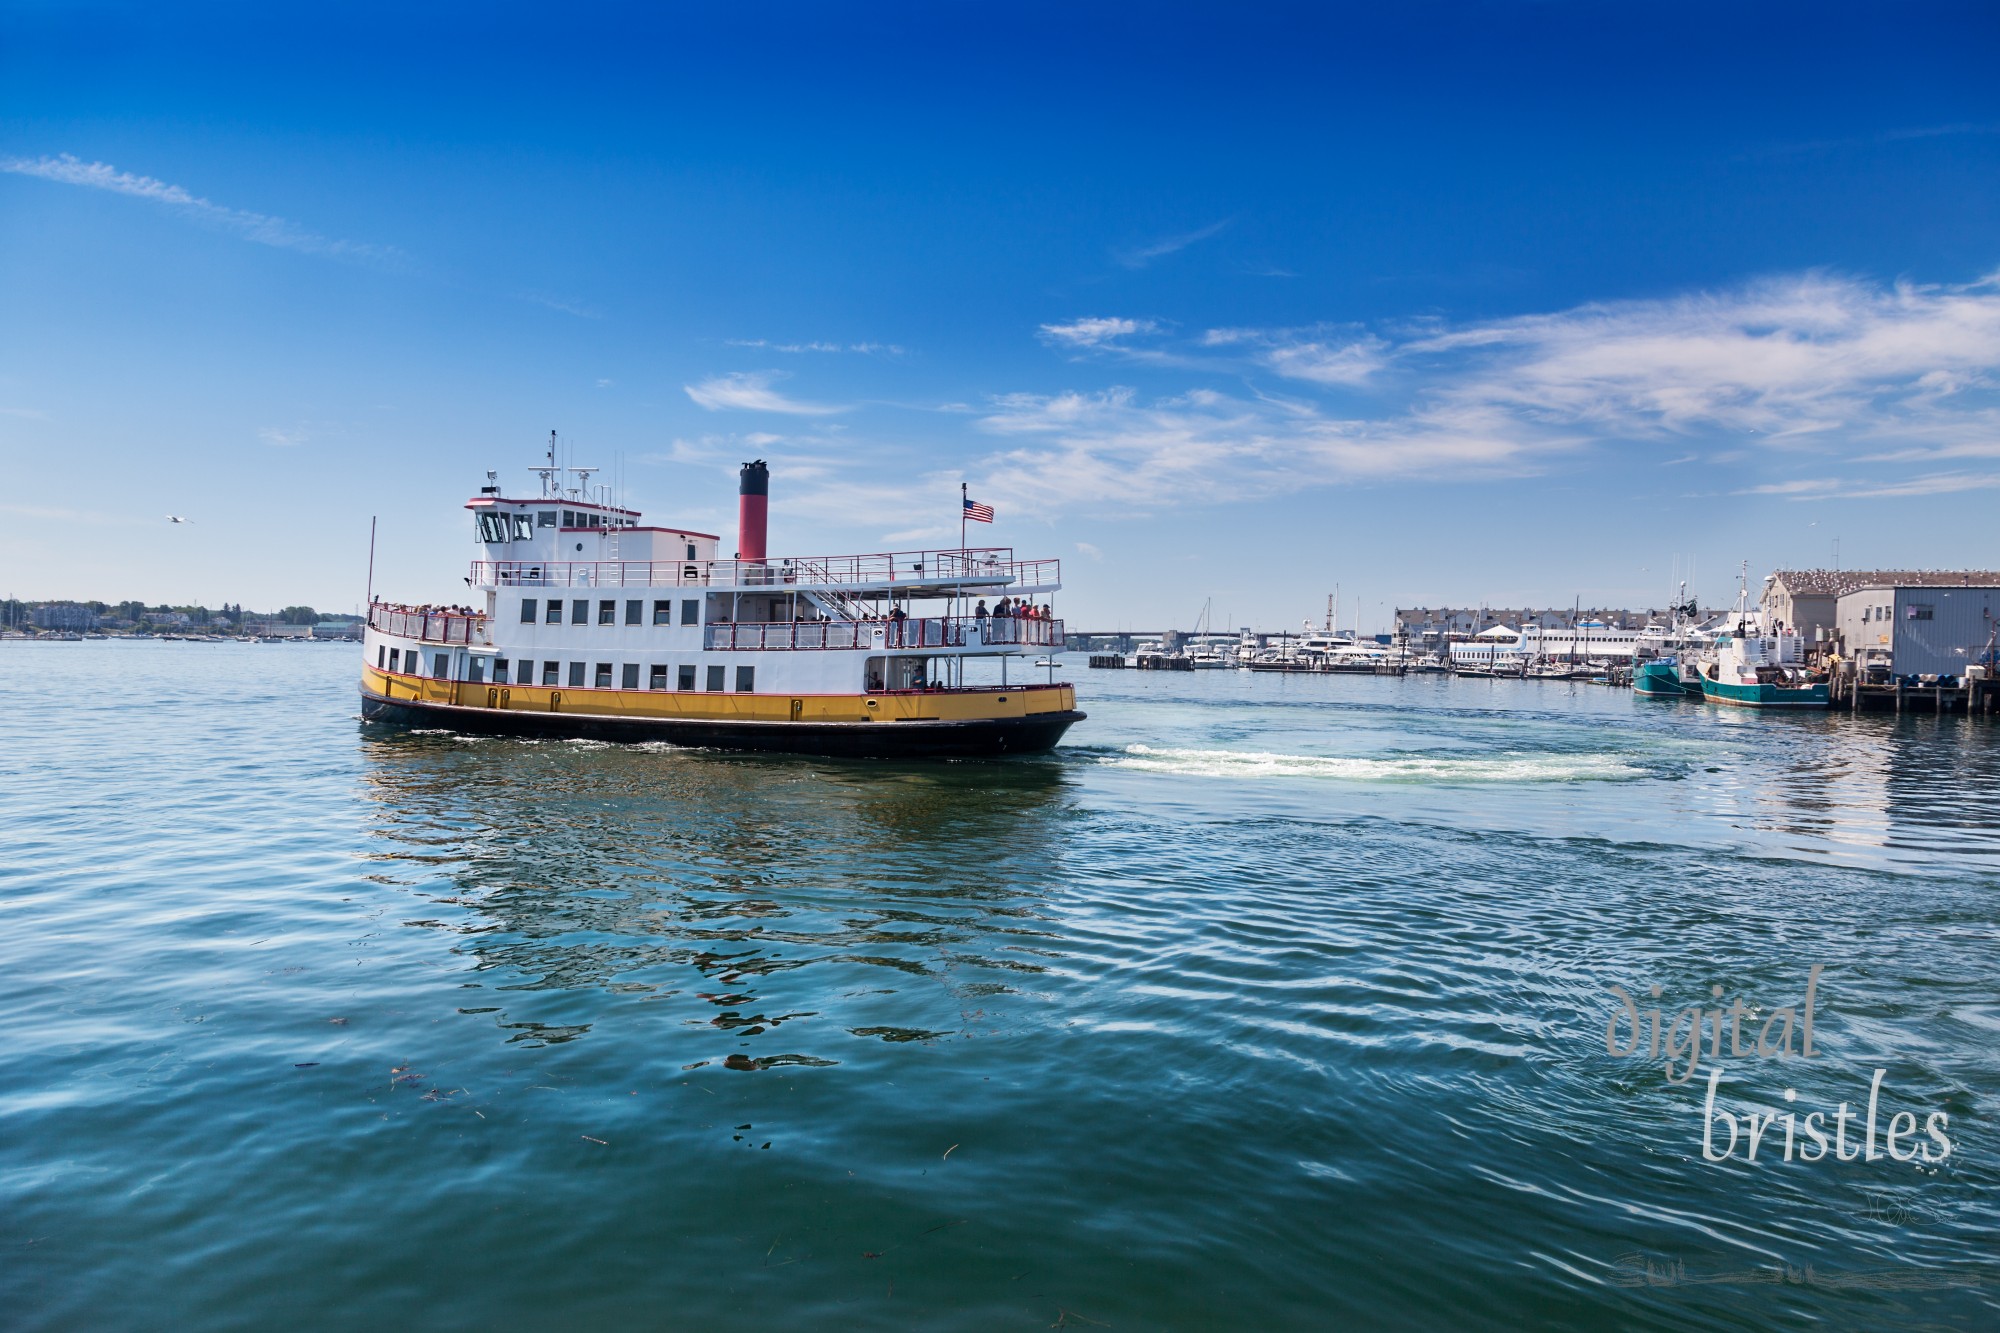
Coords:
1264,1003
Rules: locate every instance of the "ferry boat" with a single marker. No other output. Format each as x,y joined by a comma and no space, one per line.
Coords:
587,624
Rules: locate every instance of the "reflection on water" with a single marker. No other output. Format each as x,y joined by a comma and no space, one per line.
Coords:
1875,788
696,878
1266,1003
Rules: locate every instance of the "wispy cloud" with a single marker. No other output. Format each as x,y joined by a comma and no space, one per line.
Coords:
563,305
752,392
794,348
1807,369
25,413
284,438
1139,256
1094,332
262,228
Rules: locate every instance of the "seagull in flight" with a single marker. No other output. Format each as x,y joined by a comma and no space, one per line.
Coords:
175,518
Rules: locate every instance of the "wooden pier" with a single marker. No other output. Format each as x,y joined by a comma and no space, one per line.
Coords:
1972,698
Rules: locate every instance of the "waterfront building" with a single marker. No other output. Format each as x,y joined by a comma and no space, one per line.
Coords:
1928,628
68,617
1805,599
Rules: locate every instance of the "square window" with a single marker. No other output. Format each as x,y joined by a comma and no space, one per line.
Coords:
546,519
746,679
551,673
528,608
607,612
499,671
576,675
442,664
569,518
656,679
579,612
686,678
555,612
630,679
602,680
715,678
635,612
663,613
691,611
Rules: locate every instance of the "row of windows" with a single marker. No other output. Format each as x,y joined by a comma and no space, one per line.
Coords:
495,527
607,611
552,674
410,662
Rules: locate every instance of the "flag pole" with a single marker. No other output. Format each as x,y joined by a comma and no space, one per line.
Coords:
964,495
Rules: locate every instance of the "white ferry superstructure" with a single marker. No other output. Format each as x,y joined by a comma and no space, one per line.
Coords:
585,623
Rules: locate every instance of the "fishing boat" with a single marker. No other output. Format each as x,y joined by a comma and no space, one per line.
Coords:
1756,663
1666,669
586,623
1666,678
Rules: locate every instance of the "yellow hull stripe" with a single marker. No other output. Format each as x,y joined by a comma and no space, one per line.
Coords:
703,706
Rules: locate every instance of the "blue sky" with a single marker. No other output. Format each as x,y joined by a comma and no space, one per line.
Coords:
1441,303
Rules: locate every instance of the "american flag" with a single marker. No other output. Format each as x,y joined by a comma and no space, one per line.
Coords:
978,512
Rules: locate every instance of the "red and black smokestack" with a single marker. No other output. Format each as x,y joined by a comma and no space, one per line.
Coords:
753,500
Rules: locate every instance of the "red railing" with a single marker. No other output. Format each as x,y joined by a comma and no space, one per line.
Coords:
923,632
995,565
429,624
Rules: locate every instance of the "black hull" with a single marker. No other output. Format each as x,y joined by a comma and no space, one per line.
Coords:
983,738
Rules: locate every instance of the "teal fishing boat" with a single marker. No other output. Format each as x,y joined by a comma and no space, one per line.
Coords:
1759,664
1661,679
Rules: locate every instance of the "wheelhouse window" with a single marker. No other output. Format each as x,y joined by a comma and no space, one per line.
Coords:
579,612
603,678
607,613
555,611
576,675
551,673
656,679
629,677
685,678
746,679
691,611
524,527
663,613
528,605
569,518
493,527
545,519
690,554
635,612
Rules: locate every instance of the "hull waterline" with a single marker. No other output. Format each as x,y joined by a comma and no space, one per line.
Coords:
1036,733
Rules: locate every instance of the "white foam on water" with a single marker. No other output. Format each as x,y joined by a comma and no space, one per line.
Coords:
1513,767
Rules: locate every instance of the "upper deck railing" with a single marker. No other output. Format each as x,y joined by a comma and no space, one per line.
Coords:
430,624
918,632
992,565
